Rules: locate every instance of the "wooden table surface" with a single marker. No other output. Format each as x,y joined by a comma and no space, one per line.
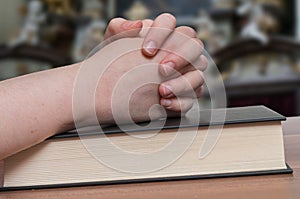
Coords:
272,186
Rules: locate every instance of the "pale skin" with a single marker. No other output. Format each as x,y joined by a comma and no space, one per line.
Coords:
39,105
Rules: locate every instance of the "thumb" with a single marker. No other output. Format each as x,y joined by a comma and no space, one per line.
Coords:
120,28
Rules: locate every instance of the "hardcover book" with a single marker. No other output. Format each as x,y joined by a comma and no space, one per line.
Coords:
250,143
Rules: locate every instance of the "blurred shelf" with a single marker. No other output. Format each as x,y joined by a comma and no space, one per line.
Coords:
38,53
280,92
239,88
222,14
245,47
191,20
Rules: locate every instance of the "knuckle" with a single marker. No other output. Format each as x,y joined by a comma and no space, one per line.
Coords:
168,17
200,76
147,22
178,105
113,24
200,92
195,46
187,85
187,31
198,45
204,62
186,105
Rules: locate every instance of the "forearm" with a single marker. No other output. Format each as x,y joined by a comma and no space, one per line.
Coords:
34,107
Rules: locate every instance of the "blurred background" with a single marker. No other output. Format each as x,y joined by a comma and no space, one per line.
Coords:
255,43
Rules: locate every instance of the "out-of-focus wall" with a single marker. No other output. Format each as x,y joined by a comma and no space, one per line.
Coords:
298,19
9,19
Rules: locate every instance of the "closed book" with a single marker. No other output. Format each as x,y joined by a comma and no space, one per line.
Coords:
249,143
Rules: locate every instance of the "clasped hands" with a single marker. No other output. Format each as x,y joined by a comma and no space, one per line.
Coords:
178,53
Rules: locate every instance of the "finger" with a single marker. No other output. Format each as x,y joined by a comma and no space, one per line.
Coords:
187,31
200,64
161,28
183,56
183,85
175,41
117,26
199,91
181,104
147,23
178,38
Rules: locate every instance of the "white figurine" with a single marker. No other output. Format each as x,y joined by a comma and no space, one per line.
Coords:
30,31
89,36
223,4
204,25
137,11
93,9
89,40
252,29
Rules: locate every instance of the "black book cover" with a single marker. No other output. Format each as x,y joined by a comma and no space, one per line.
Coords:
249,114
288,170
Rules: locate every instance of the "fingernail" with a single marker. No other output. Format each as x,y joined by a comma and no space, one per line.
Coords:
167,90
168,68
166,102
150,47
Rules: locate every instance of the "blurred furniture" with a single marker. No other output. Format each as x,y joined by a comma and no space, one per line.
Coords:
35,53
281,94
23,59
267,186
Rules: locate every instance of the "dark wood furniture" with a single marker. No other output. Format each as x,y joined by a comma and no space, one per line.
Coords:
281,95
38,53
271,186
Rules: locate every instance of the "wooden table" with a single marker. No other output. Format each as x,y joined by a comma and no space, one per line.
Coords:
271,186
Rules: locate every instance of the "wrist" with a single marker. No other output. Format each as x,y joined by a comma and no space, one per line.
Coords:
66,77
88,106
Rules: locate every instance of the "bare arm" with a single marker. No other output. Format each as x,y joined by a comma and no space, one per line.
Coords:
34,107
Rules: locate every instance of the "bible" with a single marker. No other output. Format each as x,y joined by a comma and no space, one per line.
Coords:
249,143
